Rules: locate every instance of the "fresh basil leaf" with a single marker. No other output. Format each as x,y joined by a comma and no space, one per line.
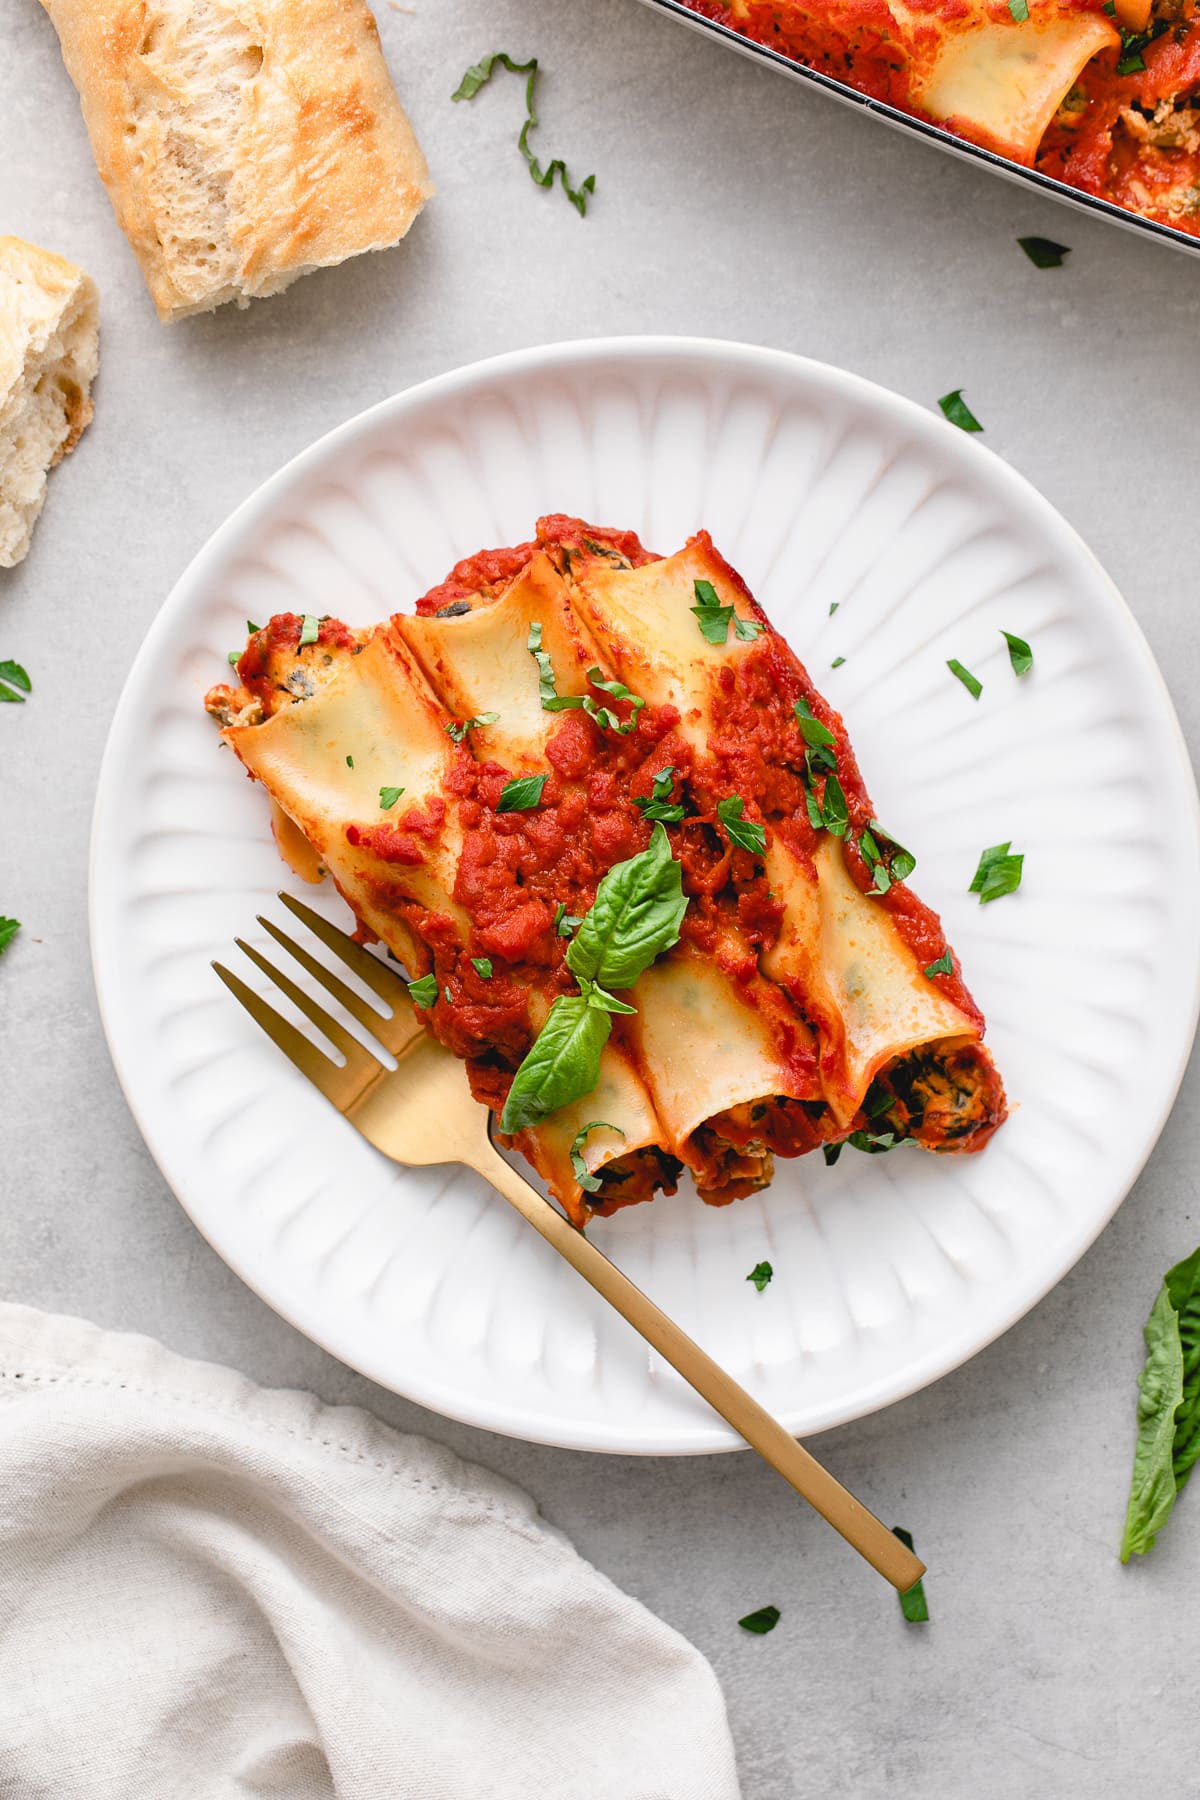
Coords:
8,931
636,915
1152,1489
760,1275
913,1603
1183,1286
973,686
955,408
1042,252
482,966
310,630
481,72
1019,10
837,662
762,1621
815,735
747,834
566,923
588,1182
998,873
835,814
658,804
458,728
424,991
562,1065
388,797
746,629
349,762
604,717
521,794
601,999
944,965
1019,653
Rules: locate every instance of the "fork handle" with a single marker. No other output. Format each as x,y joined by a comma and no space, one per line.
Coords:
860,1528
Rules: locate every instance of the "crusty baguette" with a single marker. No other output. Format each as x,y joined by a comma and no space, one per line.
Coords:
242,142
49,354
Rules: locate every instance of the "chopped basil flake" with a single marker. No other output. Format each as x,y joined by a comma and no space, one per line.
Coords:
877,1101
890,863
713,618
1019,10
8,931
831,1152
482,966
973,686
747,834
837,662
566,923
912,1602
521,794
605,718
875,1143
760,1274
955,408
944,965
349,762
815,735
424,992
1132,64
448,996
1042,252
833,606
814,810
998,873
458,728
762,1621
235,657
388,797
1019,653
310,630
588,1182
252,629
469,86
658,804
746,629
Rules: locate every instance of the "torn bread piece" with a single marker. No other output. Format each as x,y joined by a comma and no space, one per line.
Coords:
242,142
49,354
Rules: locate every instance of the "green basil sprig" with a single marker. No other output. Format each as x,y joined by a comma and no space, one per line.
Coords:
1168,1440
636,915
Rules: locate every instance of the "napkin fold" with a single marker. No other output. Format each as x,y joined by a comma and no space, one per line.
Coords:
211,1590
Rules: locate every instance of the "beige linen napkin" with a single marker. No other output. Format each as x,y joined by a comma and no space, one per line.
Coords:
209,1590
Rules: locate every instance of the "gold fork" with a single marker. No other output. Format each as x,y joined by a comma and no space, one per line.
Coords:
422,1112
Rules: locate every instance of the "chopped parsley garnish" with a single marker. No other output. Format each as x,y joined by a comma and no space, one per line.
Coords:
833,606
837,662
1019,10
8,931
482,966
835,814
1019,653
955,408
998,873
588,1182
475,78
565,923
458,728
349,762
521,794
747,834
388,797
886,860
424,992
636,915
1042,252
714,619
310,630
913,1604
12,679
944,965
658,804
760,1274
973,686
762,1621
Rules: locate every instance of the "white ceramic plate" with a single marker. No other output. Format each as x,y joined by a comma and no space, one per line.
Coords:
820,488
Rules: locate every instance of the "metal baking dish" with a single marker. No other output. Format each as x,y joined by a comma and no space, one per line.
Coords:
932,134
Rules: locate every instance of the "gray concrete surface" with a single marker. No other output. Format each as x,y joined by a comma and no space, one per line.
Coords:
731,203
